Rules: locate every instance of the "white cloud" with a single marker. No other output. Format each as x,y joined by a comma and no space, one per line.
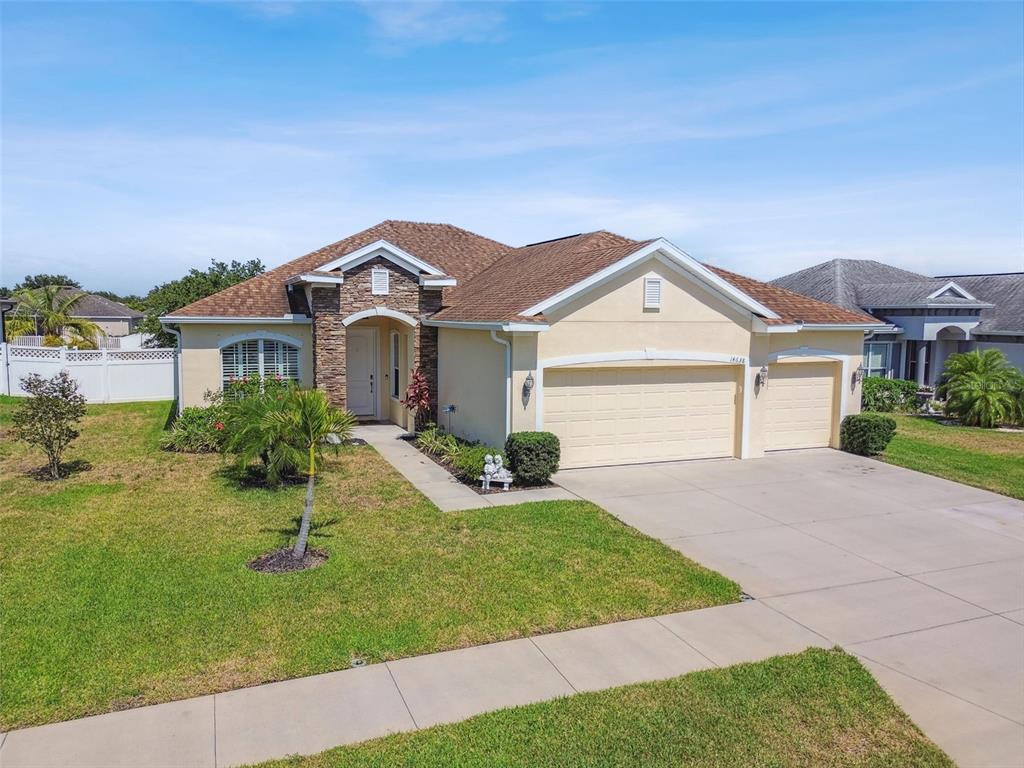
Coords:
430,22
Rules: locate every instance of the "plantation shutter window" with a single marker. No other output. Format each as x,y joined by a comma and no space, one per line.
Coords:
379,281
652,293
259,357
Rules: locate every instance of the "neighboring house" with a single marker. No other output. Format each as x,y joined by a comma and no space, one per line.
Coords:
113,317
929,318
628,351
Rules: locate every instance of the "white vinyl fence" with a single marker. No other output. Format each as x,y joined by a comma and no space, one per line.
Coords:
132,341
103,375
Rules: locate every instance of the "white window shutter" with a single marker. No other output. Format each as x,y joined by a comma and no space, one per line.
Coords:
652,293
379,281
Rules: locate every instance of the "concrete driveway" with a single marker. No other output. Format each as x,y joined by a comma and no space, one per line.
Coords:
920,577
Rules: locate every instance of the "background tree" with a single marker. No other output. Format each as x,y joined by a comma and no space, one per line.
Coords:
42,280
47,312
47,418
166,298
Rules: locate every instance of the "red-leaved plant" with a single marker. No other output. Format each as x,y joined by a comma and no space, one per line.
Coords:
417,397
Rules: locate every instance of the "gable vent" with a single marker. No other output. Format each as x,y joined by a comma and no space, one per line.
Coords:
652,293
379,281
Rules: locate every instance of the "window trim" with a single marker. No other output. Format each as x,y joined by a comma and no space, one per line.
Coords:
656,304
375,272
395,363
886,367
261,368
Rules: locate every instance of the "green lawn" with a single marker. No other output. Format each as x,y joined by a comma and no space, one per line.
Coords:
126,584
985,458
817,708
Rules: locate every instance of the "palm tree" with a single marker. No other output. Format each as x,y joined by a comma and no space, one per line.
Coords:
47,311
978,386
287,429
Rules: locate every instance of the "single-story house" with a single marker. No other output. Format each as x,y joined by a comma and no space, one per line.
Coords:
928,318
630,351
113,317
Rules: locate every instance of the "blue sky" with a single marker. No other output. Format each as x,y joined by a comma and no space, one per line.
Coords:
140,139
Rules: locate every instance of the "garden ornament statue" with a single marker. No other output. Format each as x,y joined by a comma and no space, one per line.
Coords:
494,472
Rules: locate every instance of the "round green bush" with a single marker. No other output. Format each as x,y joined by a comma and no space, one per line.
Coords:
866,434
532,456
196,430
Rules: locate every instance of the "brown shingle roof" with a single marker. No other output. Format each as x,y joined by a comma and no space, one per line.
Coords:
453,250
496,283
525,276
791,307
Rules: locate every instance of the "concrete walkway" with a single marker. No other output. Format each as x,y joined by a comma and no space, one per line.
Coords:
437,483
920,577
311,714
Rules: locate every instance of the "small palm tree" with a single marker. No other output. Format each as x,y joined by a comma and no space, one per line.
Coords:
306,424
47,312
287,430
978,387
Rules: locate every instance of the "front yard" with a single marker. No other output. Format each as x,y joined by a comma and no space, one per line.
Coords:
985,458
126,584
817,708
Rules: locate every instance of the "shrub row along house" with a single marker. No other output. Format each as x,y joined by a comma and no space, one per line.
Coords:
928,318
629,351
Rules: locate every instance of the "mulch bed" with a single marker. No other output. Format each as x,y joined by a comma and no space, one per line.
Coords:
475,484
281,561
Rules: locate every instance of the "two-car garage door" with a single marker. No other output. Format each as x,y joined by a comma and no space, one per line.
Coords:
632,415
608,416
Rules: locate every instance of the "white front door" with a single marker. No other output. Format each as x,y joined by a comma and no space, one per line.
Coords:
361,373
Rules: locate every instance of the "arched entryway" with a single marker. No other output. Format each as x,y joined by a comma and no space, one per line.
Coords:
380,350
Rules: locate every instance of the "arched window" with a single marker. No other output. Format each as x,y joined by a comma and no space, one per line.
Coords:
263,357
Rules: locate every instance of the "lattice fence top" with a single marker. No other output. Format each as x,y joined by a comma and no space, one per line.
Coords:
91,355
36,353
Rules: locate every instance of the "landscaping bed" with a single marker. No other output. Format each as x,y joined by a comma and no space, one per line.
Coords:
127,583
817,708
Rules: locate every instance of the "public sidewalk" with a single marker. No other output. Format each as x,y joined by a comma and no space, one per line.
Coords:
311,714
437,483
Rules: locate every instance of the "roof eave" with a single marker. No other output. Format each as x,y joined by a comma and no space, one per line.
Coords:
224,320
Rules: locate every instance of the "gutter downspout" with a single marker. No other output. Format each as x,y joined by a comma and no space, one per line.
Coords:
508,381
176,332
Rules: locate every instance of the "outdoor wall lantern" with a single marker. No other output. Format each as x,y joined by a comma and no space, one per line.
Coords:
762,376
858,375
528,386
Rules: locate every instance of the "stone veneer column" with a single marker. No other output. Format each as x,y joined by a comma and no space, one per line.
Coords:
329,344
425,354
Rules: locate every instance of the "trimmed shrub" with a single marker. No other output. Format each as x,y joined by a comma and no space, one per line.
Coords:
196,430
533,456
437,442
866,434
468,461
889,395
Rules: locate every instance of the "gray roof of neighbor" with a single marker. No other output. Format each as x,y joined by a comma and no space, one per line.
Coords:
91,305
1005,291
868,284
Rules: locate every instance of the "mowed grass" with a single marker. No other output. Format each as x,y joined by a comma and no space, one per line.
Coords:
126,584
985,458
817,708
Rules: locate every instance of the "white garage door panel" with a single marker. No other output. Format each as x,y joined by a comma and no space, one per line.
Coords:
799,410
626,415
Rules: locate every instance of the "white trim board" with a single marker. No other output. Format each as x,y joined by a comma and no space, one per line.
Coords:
667,254
211,320
387,250
254,335
952,285
470,325
380,312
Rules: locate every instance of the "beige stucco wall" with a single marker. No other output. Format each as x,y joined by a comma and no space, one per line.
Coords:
200,355
114,326
471,376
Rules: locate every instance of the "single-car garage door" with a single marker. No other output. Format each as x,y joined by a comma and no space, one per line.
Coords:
799,408
632,415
